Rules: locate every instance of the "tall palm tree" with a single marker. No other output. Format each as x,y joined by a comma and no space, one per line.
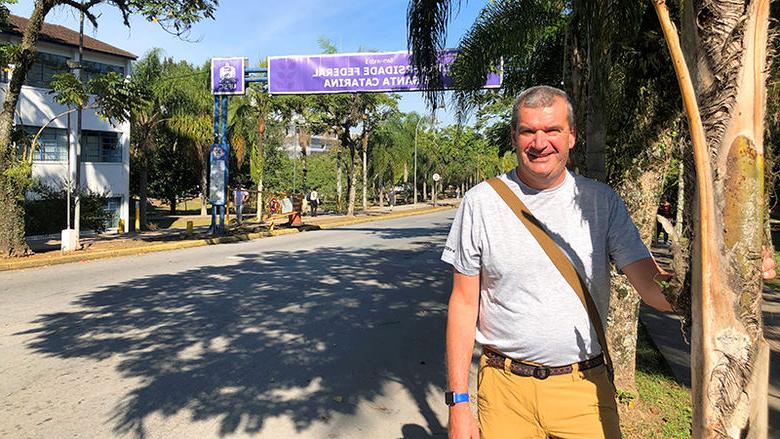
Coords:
726,45
248,126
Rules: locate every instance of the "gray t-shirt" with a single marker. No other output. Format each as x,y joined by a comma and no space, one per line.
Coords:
527,310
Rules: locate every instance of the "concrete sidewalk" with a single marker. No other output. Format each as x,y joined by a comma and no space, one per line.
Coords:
665,331
47,252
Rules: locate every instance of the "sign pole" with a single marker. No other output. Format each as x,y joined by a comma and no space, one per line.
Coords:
227,78
226,147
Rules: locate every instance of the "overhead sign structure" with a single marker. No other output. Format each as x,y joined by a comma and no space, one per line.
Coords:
355,72
227,76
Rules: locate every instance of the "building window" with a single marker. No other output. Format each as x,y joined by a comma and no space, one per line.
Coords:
113,207
90,69
100,146
52,144
44,67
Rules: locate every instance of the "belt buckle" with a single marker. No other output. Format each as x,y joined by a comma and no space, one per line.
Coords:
541,372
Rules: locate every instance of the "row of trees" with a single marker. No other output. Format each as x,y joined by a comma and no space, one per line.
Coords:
371,144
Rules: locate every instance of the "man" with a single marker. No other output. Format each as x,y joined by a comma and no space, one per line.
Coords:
665,210
314,200
508,295
391,198
239,196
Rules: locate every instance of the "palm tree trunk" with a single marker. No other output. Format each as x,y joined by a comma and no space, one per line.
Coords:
364,138
641,190
304,139
595,120
729,355
260,200
354,163
343,141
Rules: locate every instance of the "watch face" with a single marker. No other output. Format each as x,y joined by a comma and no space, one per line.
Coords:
448,398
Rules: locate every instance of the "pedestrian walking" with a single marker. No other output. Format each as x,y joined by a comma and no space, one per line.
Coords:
664,210
240,195
314,201
391,198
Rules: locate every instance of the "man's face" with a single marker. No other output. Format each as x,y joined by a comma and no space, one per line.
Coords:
543,139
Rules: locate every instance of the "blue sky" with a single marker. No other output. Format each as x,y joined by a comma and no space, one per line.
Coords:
256,29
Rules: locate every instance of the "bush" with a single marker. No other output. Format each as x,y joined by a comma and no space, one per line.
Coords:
47,212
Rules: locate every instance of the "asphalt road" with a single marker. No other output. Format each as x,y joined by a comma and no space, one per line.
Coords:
328,334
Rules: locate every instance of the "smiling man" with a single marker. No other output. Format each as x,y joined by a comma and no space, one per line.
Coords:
542,371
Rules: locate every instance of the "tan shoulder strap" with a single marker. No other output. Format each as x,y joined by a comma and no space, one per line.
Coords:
559,259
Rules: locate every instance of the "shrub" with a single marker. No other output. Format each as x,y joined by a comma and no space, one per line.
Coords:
46,212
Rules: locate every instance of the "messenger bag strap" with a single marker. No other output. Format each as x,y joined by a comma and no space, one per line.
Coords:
558,258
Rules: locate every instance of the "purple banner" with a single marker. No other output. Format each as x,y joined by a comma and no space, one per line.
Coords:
356,72
227,76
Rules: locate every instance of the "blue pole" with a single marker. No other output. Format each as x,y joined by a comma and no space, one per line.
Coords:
222,219
224,120
227,162
216,119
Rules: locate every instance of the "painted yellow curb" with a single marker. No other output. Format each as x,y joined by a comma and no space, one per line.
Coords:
190,243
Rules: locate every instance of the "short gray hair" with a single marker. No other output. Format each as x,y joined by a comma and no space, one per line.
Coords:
540,96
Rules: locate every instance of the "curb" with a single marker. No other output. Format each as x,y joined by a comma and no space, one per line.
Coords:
190,243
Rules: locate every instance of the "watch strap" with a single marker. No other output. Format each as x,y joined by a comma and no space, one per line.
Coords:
452,398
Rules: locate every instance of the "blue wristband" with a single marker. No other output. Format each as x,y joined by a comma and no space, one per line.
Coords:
452,398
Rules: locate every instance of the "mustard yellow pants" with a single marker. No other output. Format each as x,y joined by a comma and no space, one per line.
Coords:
578,405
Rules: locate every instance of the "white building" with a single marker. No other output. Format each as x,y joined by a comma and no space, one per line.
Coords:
105,165
317,143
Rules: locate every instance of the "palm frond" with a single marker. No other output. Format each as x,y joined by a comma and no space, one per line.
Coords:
527,35
426,21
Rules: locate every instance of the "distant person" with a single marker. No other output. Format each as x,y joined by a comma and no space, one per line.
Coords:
665,210
240,195
391,198
314,201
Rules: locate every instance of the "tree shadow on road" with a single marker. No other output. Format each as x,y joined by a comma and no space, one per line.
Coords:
307,335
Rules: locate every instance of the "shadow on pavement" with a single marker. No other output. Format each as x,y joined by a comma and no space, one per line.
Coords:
302,334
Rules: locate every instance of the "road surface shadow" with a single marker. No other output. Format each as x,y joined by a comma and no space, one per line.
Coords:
304,334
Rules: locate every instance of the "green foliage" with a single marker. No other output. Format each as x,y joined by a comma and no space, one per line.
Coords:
322,172
176,111
173,170
116,97
46,213
68,90
8,53
18,178
666,404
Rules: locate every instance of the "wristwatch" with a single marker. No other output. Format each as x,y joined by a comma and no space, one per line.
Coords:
452,398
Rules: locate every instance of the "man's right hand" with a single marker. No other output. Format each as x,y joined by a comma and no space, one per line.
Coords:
462,424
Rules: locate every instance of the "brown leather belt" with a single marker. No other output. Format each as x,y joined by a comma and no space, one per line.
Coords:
494,359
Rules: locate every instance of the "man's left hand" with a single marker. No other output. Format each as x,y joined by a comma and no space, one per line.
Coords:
768,264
